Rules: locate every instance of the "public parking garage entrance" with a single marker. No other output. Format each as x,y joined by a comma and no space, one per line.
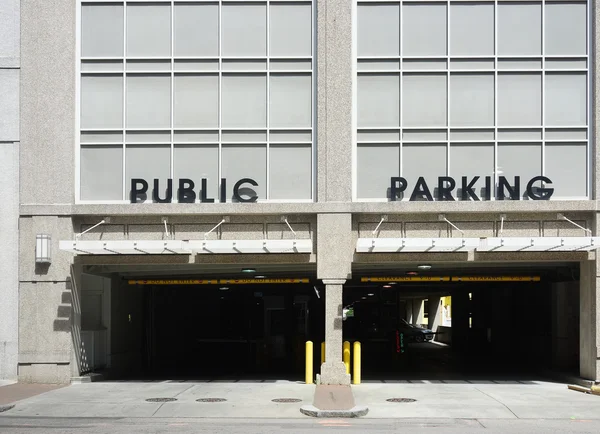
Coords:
420,320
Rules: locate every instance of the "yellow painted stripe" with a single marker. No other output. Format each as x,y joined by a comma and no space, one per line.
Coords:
213,281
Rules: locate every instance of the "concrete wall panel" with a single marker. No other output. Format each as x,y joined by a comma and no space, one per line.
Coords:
9,108
280,231
47,101
427,230
386,230
231,231
9,255
102,232
149,232
44,323
59,228
334,246
564,229
9,32
521,229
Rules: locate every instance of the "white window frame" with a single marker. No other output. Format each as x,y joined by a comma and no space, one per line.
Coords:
448,70
312,72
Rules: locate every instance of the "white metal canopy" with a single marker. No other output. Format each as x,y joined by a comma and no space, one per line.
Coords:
517,244
182,247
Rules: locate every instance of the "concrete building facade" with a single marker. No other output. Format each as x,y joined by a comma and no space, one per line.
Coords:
344,122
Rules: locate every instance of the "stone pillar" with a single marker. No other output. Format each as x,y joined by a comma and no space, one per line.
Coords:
460,320
333,371
418,311
589,354
409,311
434,314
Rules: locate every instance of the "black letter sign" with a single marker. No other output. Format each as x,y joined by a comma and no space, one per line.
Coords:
186,194
135,191
236,190
397,186
542,193
156,192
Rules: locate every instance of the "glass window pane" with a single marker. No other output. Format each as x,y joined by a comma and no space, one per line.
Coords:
519,159
148,101
196,30
424,29
148,162
149,30
566,28
244,101
196,101
290,101
101,101
376,165
197,162
519,29
102,30
101,169
566,99
244,30
378,30
245,161
519,99
428,161
471,160
472,100
291,172
424,100
566,166
291,30
379,100
471,29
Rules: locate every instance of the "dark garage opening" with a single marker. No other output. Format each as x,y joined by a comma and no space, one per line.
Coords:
498,330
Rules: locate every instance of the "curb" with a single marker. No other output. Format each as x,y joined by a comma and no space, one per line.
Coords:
6,407
311,410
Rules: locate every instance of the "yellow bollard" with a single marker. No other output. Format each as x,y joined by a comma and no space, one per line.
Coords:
322,352
356,364
308,376
346,356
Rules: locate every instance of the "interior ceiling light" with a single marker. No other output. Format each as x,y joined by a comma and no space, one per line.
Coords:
224,288
424,267
248,270
259,277
392,283
412,273
363,298
387,286
370,294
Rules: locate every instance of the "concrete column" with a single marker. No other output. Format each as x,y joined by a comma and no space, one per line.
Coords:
334,83
409,311
434,314
589,354
333,371
418,312
460,319
9,194
74,284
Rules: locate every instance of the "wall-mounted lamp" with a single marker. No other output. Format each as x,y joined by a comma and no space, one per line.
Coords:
42,248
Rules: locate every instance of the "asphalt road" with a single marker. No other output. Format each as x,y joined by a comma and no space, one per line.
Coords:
21,425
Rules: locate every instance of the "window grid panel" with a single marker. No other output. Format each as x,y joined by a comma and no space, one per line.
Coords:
144,60
570,64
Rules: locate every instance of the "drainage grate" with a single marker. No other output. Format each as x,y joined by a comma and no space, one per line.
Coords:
211,400
161,399
400,400
286,400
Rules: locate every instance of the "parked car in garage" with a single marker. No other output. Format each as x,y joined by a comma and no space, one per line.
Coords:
415,333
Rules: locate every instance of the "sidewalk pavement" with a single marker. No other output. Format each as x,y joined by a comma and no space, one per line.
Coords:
11,392
253,399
